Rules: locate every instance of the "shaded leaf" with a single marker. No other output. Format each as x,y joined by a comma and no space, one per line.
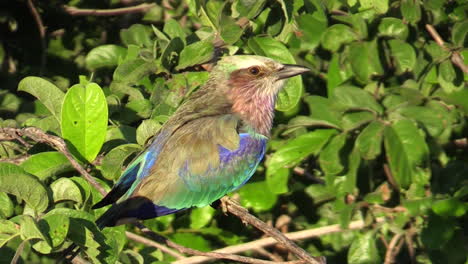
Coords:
104,56
65,189
195,53
369,141
46,164
364,250
113,162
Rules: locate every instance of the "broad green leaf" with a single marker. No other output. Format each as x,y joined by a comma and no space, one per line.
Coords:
364,59
364,250
113,162
230,32
410,10
380,6
357,22
312,29
356,119
297,149
289,97
146,130
459,98
369,141
200,217
337,74
6,206
104,56
56,227
322,108
84,120
132,71
49,94
46,164
393,27
337,35
8,231
253,195
451,207
406,150
354,98
170,53
305,121
30,230
14,180
277,181
248,8
459,32
137,34
65,189
432,120
174,30
330,158
403,55
195,53
194,241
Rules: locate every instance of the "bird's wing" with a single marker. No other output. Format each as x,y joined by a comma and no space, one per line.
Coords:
202,161
133,171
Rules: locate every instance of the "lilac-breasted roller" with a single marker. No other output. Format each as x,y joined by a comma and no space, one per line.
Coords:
210,146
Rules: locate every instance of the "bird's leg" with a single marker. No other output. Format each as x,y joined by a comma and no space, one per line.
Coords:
220,203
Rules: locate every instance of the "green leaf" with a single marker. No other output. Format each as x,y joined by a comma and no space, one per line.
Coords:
104,56
131,71
322,108
403,55
330,158
195,53
354,98
431,119
170,53
84,120
289,97
30,230
230,32
297,149
146,130
459,32
6,206
364,250
248,8
57,226
364,59
194,241
137,34
8,231
393,27
174,30
337,35
278,180
253,195
49,94
113,162
380,6
355,120
451,207
337,74
46,164
410,10
312,29
65,189
369,141
437,232
200,217
406,150
14,180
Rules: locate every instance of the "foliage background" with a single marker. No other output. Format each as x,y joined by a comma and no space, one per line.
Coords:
377,129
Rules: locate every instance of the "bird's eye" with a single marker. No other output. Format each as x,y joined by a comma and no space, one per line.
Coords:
254,70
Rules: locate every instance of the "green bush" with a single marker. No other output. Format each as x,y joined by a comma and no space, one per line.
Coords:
378,129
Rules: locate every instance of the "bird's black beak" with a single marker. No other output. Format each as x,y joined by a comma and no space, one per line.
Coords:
291,70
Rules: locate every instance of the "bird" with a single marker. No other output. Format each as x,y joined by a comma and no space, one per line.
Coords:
209,147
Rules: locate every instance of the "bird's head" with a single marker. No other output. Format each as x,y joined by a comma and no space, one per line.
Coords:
255,75
251,85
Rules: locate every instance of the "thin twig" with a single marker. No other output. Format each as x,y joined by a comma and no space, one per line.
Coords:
151,243
392,249
16,160
409,245
456,57
18,252
42,34
212,254
265,242
245,216
390,178
79,260
107,12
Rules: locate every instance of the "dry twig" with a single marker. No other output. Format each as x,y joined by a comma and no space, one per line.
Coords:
456,58
42,33
393,249
107,12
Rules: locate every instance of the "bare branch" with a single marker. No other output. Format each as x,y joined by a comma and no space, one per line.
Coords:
16,160
245,216
107,12
456,57
393,249
42,34
265,242
151,243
